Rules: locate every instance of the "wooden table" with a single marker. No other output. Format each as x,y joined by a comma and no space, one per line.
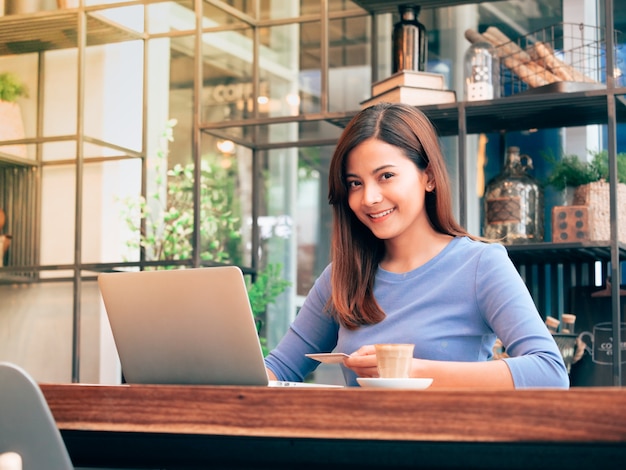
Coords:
253,427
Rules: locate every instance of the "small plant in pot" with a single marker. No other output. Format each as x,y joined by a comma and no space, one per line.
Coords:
571,172
11,88
11,124
168,225
587,184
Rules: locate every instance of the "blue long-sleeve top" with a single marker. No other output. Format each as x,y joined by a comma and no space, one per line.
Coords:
452,308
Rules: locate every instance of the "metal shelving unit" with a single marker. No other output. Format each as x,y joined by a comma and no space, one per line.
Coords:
545,267
77,29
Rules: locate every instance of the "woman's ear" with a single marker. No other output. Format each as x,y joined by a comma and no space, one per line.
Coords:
430,182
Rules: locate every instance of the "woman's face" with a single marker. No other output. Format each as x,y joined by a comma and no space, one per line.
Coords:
386,191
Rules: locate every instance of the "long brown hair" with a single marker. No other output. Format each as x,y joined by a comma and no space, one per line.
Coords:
355,251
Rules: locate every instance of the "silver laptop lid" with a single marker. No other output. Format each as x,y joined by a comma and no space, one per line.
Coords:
186,326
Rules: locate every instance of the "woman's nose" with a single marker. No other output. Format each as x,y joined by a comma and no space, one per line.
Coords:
371,195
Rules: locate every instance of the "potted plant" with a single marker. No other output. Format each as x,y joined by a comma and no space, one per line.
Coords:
11,124
11,87
587,181
168,223
571,171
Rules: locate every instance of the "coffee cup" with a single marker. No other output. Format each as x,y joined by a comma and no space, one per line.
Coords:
394,360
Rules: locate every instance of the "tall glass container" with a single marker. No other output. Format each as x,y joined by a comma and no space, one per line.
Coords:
513,202
410,44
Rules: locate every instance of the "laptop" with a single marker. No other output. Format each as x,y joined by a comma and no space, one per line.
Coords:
185,326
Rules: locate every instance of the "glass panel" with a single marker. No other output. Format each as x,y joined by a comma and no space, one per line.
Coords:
290,76
294,226
349,74
130,17
244,6
98,358
110,233
272,10
113,94
36,329
341,5
113,99
313,223
60,96
216,17
58,199
171,16
166,211
277,232
227,75
171,80
310,78
226,202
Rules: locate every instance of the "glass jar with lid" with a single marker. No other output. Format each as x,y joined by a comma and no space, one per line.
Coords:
481,72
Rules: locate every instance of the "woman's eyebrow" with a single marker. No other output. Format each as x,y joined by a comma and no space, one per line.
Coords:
374,171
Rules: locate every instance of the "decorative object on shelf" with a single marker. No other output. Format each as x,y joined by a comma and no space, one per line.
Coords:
596,197
5,240
569,323
599,343
11,123
62,4
410,78
513,202
570,348
410,43
570,224
593,361
481,72
413,96
19,7
411,87
552,324
563,57
572,171
587,218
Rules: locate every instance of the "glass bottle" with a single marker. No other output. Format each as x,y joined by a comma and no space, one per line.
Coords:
513,202
481,72
409,41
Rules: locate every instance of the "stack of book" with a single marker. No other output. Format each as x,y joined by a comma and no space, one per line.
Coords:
411,87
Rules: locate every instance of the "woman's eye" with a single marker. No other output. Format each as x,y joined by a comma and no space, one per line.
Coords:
386,176
353,184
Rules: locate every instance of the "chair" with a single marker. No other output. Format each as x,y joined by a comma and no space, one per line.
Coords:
26,423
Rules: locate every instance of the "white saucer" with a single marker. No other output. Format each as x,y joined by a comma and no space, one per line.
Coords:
413,384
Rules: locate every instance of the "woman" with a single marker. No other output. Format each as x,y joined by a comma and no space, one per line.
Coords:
404,271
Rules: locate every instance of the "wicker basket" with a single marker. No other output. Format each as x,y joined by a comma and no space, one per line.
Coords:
596,196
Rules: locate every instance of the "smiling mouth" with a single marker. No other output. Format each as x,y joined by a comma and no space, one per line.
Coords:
381,214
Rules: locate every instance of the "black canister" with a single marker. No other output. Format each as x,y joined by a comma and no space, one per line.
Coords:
409,41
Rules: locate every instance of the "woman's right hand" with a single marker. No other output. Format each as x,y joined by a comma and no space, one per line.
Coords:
363,361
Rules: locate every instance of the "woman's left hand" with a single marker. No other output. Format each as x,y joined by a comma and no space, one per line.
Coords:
363,361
